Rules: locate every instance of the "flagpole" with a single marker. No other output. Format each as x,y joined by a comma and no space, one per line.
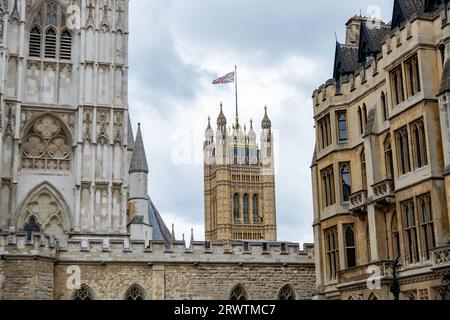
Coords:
236,91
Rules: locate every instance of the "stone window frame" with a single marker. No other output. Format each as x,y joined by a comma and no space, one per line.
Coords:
342,133
287,293
246,208
388,157
403,151
342,167
410,232
350,248
46,46
395,236
236,207
419,143
135,293
325,136
238,293
332,253
83,293
426,222
397,85
328,187
362,160
412,70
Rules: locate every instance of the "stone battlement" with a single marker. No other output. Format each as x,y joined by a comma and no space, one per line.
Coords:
124,250
368,75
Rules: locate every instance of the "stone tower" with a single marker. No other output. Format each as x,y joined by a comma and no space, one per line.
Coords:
239,182
65,139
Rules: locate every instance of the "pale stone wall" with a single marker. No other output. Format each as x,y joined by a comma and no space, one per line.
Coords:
36,270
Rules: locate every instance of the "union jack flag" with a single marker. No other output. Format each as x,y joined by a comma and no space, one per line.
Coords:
229,78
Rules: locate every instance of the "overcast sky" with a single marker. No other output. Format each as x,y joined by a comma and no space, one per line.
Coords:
284,49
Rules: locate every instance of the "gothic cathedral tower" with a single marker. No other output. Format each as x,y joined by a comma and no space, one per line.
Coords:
64,156
239,182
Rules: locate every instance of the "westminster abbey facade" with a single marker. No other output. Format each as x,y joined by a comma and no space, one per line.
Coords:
381,166
76,218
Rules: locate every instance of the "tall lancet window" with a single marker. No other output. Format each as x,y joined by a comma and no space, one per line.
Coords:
49,37
256,218
246,213
236,208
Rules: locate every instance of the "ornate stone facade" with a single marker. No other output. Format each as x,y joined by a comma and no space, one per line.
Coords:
380,168
76,220
239,182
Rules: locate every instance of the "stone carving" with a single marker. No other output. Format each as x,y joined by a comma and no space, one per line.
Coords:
46,146
44,207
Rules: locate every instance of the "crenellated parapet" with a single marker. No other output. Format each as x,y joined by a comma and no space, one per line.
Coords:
104,251
372,74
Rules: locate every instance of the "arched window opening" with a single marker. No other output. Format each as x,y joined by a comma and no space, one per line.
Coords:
35,42
246,208
55,41
65,50
368,245
238,294
426,226
84,293
46,146
410,230
395,234
361,124
256,218
31,227
346,182
363,169
135,293
236,209
350,246
50,43
389,159
286,293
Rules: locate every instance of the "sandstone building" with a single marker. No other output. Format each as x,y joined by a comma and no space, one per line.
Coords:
239,182
76,220
380,171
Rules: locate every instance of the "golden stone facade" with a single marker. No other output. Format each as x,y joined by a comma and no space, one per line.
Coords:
239,182
380,168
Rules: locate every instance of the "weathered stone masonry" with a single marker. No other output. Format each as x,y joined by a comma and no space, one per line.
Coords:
38,270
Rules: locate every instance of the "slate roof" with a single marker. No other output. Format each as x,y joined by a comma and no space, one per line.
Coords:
139,159
349,56
160,230
413,6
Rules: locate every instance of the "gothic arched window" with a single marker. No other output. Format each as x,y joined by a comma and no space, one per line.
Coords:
362,158
286,293
236,208
31,227
84,293
238,294
246,208
50,43
346,182
395,234
389,159
57,39
65,46
35,42
46,145
256,217
135,292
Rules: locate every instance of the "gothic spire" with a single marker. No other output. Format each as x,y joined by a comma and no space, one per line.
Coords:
266,123
209,124
221,120
139,159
